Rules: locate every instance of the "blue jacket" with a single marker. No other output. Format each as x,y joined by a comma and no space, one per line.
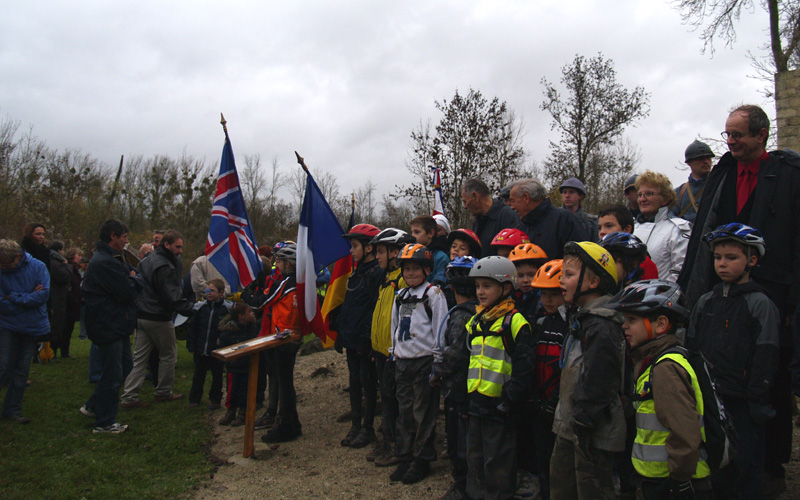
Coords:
21,309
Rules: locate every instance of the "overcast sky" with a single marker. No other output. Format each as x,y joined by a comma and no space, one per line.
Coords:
344,83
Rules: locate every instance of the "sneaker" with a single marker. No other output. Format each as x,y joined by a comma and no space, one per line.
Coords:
230,415
168,397
114,428
17,418
214,406
527,486
86,412
351,435
280,434
417,472
364,438
265,421
400,471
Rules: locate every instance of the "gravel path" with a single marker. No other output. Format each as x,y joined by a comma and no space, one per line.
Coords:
316,466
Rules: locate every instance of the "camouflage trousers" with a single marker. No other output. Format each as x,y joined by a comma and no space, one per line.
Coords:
575,475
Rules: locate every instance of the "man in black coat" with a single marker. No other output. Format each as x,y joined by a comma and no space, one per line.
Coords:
109,291
161,297
760,189
491,216
547,226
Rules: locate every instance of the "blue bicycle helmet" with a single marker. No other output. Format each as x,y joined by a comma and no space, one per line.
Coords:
457,271
624,243
740,233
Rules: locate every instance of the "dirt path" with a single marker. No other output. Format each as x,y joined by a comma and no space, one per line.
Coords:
316,466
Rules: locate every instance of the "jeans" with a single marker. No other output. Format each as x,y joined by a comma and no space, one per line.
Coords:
95,367
115,362
16,352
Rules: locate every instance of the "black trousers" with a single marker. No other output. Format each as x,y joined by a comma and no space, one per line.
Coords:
455,427
202,365
389,409
285,357
363,380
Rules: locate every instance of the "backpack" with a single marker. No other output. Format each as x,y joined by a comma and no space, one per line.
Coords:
405,299
721,438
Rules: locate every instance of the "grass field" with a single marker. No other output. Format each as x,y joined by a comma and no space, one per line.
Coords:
56,456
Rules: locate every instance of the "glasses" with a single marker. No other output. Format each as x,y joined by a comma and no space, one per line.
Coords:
733,135
648,194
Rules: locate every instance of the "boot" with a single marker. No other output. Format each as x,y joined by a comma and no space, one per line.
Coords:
239,420
230,415
364,438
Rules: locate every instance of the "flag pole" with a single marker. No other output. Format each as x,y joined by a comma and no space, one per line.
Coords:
302,162
224,124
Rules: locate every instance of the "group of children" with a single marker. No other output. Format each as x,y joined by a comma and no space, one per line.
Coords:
563,372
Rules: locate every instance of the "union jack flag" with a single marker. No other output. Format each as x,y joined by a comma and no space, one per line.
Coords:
231,246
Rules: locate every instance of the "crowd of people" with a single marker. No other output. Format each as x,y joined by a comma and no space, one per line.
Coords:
562,345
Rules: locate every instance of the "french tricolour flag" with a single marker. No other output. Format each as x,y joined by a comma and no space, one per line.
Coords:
319,244
231,246
438,205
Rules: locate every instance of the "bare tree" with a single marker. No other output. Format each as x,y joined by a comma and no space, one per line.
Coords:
590,118
719,18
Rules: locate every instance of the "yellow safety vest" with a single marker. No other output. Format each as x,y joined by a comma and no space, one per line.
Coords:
489,361
650,457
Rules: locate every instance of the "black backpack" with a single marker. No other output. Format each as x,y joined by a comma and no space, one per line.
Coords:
721,439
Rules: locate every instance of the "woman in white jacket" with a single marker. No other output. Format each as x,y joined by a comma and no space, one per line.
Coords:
666,236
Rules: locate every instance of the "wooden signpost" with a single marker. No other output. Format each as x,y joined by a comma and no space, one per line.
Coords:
252,348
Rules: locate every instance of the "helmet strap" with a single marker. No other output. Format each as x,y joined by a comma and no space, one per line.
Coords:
649,327
578,293
746,266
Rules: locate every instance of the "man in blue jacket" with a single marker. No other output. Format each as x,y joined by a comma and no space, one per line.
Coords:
24,289
109,289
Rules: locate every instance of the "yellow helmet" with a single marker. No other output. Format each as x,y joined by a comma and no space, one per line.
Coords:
598,260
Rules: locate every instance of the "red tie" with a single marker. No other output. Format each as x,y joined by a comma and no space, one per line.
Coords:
744,187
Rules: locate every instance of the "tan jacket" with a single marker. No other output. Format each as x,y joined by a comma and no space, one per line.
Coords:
675,406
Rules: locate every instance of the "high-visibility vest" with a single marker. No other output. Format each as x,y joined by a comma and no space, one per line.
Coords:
490,359
650,457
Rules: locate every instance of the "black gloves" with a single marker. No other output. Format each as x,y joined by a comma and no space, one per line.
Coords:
680,491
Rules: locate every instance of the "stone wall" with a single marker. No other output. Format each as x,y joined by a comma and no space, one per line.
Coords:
787,104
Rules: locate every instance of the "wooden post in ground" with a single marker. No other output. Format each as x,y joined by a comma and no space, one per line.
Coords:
253,348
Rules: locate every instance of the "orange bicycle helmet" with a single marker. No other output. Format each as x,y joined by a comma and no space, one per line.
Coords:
527,251
548,275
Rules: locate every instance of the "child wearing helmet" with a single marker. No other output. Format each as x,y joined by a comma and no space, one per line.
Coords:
425,229
668,451
507,239
388,244
450,370
736,327
499,378
589,421
419,310
527,258
353,324
549,332
281,315
630,255
463,242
